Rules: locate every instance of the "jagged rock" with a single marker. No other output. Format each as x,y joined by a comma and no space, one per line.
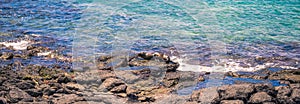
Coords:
74,86
26,85
118,89
206,95
3,100
296,95
7,55
110,83
283,92
65,91
231,102
268,88
260,97
290,75
241,91
15,95
49,91
64,79
34,92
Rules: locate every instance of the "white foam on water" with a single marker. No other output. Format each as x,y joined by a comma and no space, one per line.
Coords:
20,45
44,53
225,67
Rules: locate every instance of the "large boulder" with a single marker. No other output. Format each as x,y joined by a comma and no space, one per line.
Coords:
15,95
240,91
206,95
260,97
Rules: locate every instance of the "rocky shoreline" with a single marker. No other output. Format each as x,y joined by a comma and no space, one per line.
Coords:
140,78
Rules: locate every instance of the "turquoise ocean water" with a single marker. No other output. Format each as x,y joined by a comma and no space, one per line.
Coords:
201,32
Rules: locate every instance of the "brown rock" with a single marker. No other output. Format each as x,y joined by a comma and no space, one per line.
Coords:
143,71
64,79
3,100
7,55
206,95
146,99
67,99
260,97
283,91
26,85
231,102
296,95
232,74
241,91
201,78
15,95
122,95
104,74
118,89
74,86
110,83
291,75
34,92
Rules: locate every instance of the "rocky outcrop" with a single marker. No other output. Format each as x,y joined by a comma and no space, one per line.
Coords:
248,94
260,97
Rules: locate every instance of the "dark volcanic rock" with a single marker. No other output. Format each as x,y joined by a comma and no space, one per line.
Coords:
26,85
268,88
34,92
64,79
260,97
49,91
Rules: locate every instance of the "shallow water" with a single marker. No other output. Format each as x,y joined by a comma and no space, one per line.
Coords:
225,81
207,33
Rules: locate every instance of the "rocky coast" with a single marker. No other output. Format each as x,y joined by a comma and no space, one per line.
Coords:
147,78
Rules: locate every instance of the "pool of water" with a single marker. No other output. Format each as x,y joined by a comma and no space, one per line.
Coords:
226,81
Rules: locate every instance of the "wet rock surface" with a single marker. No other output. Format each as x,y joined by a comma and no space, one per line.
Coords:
140,78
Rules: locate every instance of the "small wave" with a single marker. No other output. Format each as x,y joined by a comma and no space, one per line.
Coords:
19,45
226,66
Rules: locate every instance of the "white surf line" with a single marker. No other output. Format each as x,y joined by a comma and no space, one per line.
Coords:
44,53
228,66
19,45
